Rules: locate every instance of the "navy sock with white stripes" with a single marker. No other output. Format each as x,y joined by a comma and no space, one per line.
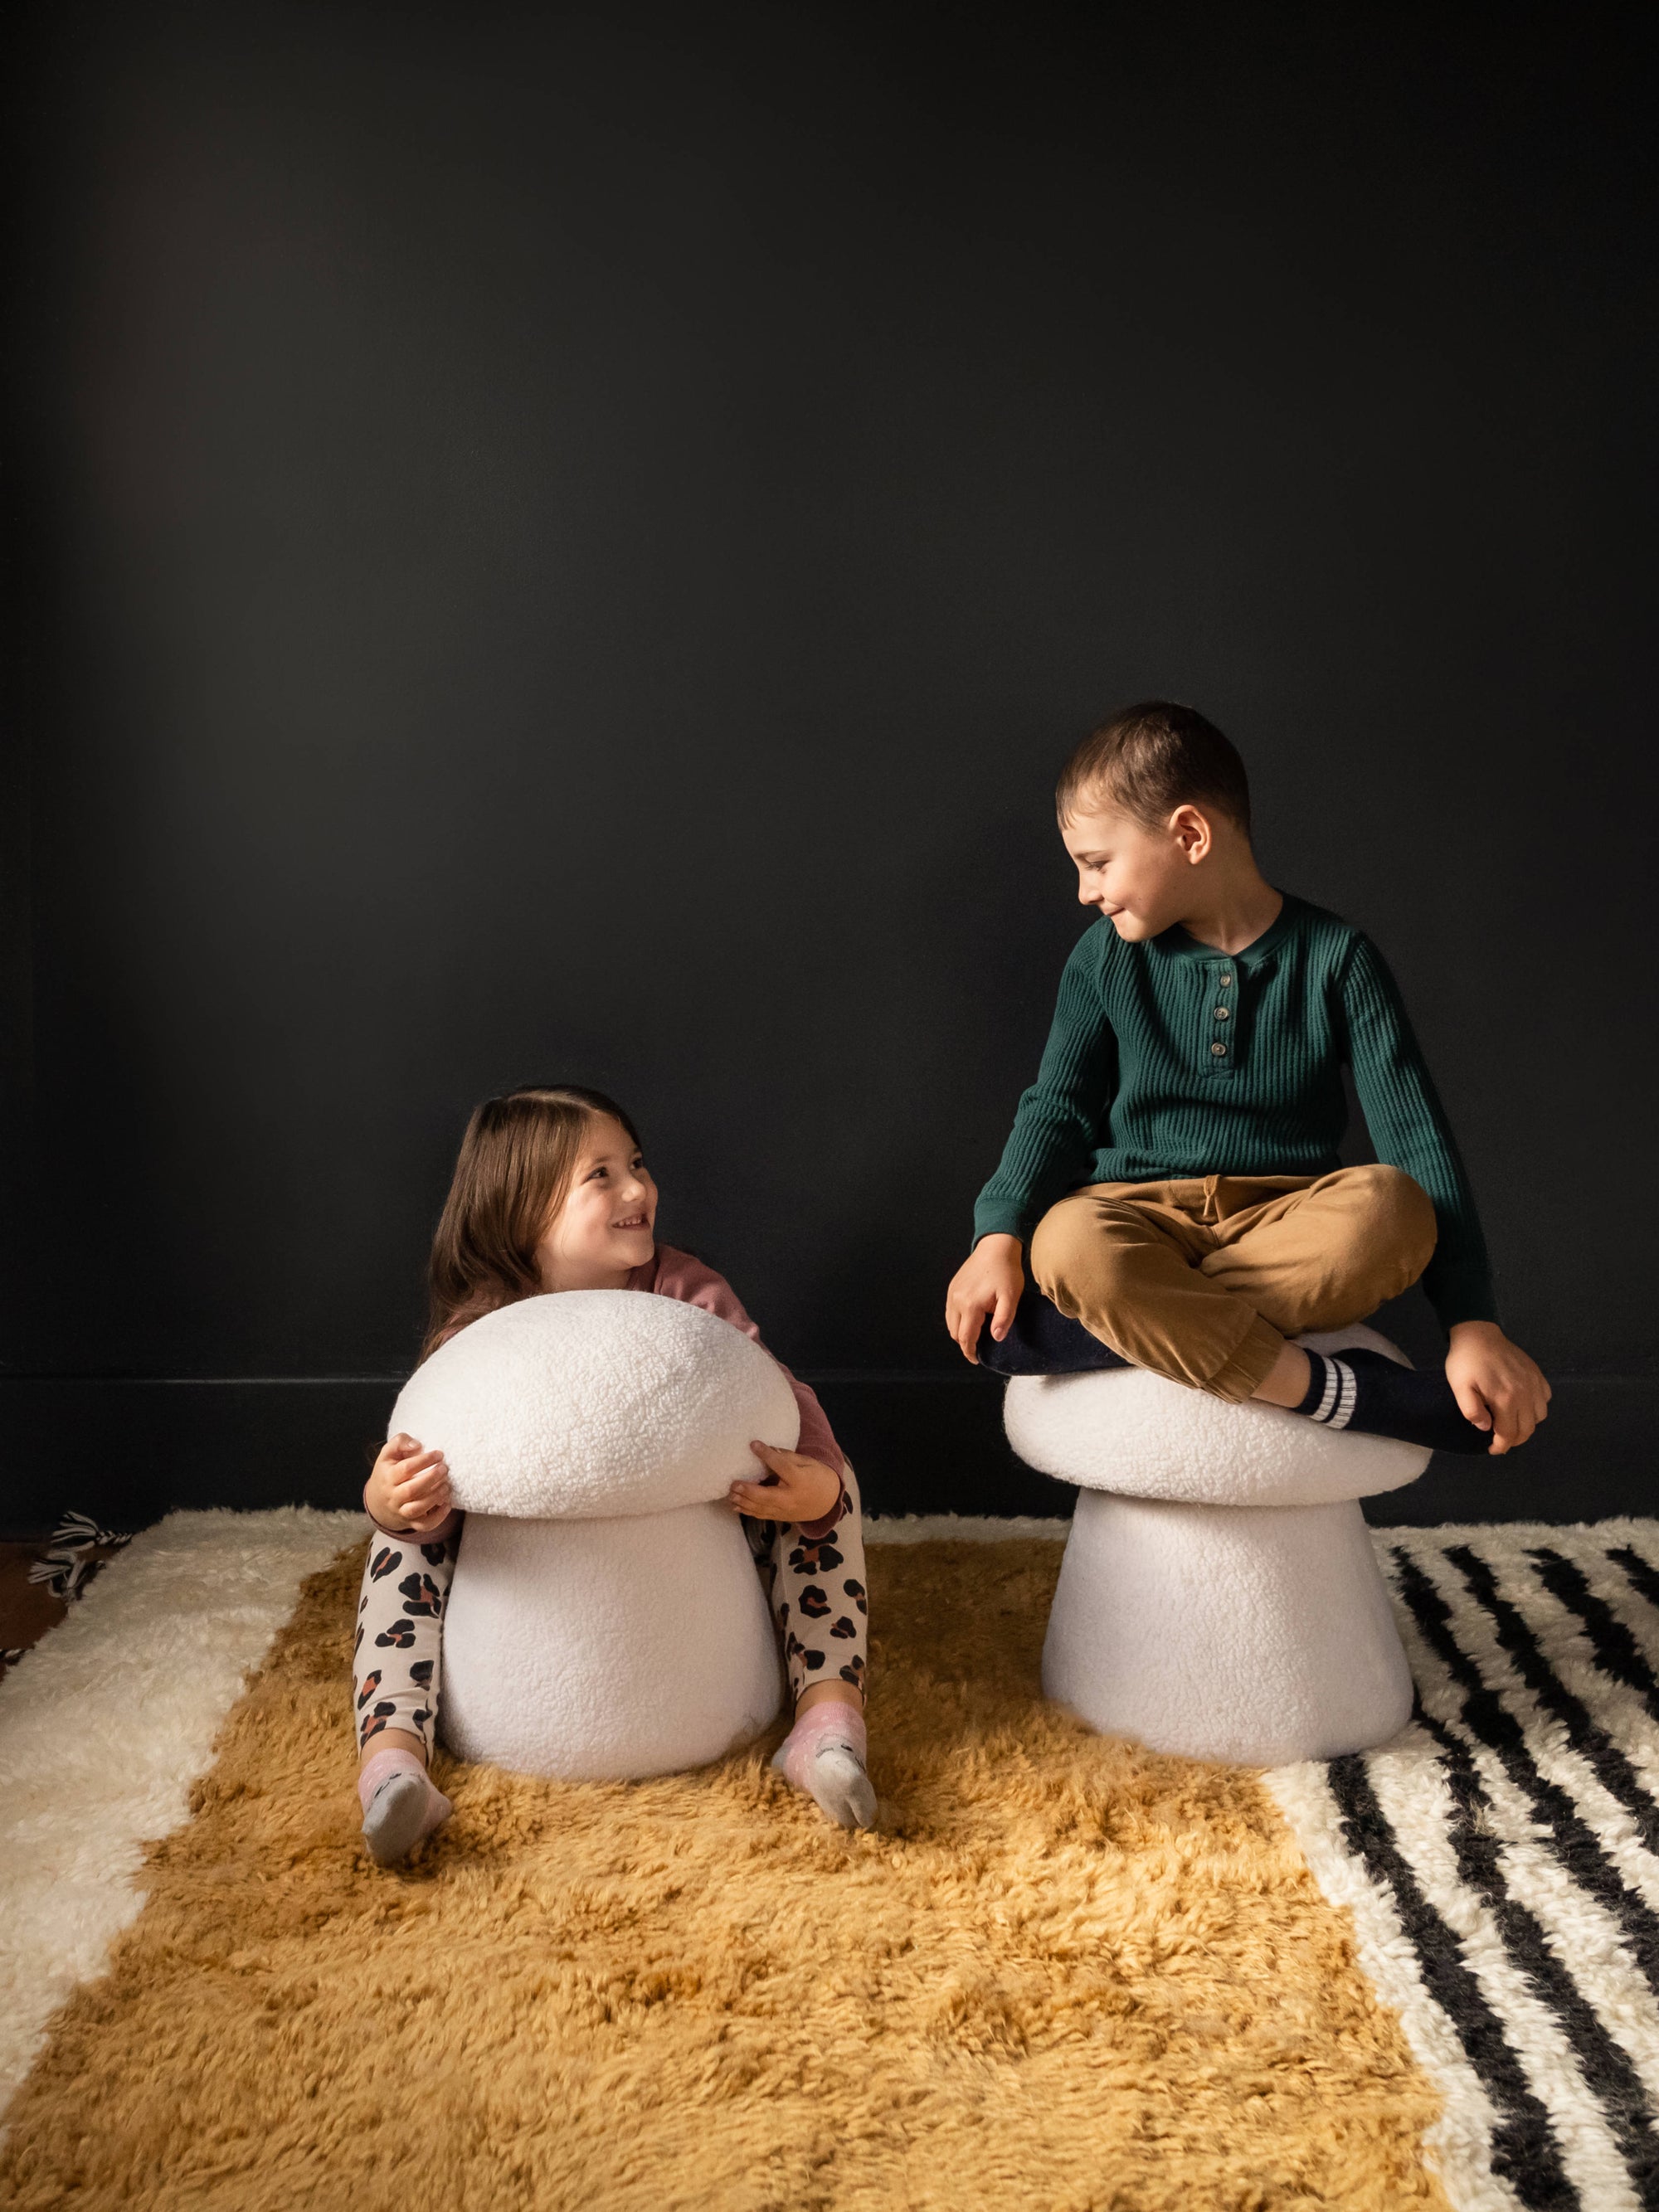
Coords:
1368,1392
1042,1340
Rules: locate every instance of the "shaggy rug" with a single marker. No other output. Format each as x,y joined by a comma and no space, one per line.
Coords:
1063,1973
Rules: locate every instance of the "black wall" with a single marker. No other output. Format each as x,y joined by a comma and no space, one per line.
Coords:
573,543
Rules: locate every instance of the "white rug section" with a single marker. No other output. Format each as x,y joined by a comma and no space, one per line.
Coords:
105,1724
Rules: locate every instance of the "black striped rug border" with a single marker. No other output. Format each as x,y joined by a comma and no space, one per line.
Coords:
1489,1612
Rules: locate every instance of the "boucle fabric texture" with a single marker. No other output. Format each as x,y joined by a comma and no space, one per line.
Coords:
607,1650
1124,1429
1261,1634
1061,1972
595,1403
1220,1596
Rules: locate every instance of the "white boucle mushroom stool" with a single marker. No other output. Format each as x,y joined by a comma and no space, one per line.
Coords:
606,1621
1218,1596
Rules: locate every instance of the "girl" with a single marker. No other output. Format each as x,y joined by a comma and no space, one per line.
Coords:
551,1192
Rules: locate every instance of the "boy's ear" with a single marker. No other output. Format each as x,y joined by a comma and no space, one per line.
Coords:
1192,831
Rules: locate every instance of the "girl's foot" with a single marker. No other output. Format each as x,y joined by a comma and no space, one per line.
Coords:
402,1804
824,1755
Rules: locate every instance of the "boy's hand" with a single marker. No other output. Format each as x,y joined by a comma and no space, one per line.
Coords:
408,1489
988,1281
805,1489
1496,1385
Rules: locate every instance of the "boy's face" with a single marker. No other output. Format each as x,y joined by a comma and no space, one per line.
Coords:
1140,880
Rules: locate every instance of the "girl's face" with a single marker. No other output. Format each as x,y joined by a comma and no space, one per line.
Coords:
604,1228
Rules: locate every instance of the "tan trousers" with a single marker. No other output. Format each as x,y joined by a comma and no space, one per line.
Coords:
1202,1278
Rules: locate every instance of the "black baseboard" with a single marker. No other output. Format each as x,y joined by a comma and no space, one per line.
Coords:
127,1451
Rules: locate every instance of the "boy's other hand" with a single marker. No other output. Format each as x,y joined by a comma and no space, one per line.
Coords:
409,1488
1496,1385
805,1489
988,1281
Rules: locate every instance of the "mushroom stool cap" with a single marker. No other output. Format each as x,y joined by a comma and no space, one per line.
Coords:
582,1403
1126,1430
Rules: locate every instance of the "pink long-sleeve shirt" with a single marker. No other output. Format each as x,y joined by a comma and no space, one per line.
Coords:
672,1274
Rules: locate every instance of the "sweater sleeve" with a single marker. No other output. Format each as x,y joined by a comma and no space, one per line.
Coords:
1409,1129
679,1276
1058,1122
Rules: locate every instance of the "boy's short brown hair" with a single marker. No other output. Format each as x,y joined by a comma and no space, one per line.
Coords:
1151,759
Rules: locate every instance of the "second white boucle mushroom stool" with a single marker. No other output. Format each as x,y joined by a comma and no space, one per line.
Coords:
1218,1596
606,1621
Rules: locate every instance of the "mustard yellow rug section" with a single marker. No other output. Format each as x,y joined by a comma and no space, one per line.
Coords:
1066,1973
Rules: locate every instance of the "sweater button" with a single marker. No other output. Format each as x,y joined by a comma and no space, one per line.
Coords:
1221,1013
1218,1050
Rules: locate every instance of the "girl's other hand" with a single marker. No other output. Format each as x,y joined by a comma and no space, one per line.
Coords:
409,1488
805,1489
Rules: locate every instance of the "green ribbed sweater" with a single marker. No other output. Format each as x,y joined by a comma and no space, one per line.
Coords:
1167,1058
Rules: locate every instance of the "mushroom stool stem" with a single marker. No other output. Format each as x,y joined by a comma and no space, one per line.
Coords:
605,1650
1254,1633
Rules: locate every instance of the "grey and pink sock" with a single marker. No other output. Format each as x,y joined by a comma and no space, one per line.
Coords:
402,1804
824,1755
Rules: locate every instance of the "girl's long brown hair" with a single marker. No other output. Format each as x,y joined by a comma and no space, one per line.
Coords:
516,1161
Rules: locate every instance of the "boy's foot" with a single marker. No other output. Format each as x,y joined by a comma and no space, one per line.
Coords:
1042,1340
824,1755
402,1804
1374,1395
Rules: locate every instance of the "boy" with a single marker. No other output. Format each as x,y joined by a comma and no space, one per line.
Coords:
1173,1168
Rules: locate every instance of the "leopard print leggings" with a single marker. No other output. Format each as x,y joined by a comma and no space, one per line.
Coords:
816,1591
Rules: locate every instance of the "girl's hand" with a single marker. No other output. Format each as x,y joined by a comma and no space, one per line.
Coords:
1496,1384
408,1489
805,1490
